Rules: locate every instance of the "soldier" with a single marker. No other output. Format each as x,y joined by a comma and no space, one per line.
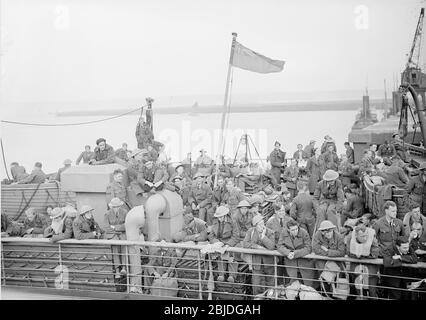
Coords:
388,228
416,188
180,171
178,185
67,230
57,222
393,174
291,173
233,195
85,226
36,176
122,153
353,206
57,176
194,229
18,172
242,218
328,141
366,165
277,160
86,155
350,155
302,208
35,223
204,161
329,193
151,178
346,171
315,169
278,221
103,153
260,237
300,154
413,216
200,198
225,232
152,153
144,134
114,219
218,193
134,165
117,189
331,159
310,149
294,243
386,150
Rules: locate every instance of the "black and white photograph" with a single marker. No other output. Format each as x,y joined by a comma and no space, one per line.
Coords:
215,156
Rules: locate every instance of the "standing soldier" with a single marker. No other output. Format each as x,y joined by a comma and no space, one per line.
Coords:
416,188
85,226
277,160
310,149
329,193
331,159
218,193
200,197
114,219
117,189
315,169
291,173
260,237
349,153
302,208
144,131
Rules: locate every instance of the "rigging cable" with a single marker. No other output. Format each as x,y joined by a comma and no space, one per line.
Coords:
70,124
4,159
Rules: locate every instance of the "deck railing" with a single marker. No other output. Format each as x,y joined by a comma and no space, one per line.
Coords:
82,266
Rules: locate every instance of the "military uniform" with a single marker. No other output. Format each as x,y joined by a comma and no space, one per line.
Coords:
291,173
277,225
276,158
315,169
85,156
153,175
302,211
263,265
144,135
331,160
36,176
188,232
116,233
122,154
386,151
336,247
39,223
103,156
67,231
387,233
18,173
202,196
417,192
350,154
116,190
242,222
330,201
83,228
233,198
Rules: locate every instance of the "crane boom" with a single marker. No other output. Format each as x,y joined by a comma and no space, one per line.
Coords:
416,42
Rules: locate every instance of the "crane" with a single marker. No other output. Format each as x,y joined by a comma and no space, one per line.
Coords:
413,58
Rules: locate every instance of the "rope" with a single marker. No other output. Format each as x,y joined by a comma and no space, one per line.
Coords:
4,159
28,202
70,124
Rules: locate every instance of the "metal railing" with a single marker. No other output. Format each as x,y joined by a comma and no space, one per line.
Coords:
81,266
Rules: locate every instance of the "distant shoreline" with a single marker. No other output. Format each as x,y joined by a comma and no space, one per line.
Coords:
344,105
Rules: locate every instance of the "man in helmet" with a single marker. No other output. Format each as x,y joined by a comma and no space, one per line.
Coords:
85,226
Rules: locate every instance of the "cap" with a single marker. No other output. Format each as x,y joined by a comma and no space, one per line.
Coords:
221,211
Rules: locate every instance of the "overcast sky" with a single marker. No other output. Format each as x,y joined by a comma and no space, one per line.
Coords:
98,50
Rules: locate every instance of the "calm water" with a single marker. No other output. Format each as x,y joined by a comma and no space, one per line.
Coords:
180,133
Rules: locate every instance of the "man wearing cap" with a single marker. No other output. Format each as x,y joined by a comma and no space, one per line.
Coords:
57,176
327,242
194,229
310,149
260,237
329,193
242,218
294,243
36,176
302,208
86,155
103,153
151,177
35,223
114,219
328,141
66,217
200,198
233,196
18,172
416,188
224,231
116,188
388,228
85,226
315,168
277,160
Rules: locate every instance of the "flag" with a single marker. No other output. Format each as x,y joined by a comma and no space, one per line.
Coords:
247,59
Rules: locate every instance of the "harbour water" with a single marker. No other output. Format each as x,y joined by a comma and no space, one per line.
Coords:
180,133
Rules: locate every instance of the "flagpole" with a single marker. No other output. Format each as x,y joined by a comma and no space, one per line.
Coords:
225,108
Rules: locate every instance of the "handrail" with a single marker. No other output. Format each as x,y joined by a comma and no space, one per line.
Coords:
377,261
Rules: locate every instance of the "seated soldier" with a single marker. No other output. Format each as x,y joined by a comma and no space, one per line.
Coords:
200,198
362,244
18,172
327,242
9,227
260,237
34,224
161,265
418,240
85,226
36,176
353,206
178,185
413,216
114,220
117,189
294,244
232,195
249,176
61,217
302,208
278,221
180,172
224,231
242,218
102,154
151,178
396,276
194,229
